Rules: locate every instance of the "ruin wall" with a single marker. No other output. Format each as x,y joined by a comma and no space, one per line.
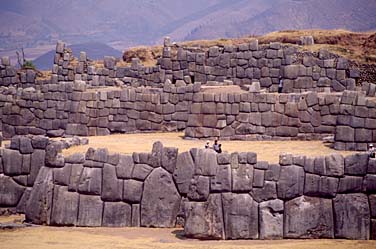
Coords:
214,196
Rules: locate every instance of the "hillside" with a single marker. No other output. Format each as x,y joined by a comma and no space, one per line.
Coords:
126,23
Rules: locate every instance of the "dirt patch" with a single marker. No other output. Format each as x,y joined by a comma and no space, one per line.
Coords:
42,237
266,150
222,89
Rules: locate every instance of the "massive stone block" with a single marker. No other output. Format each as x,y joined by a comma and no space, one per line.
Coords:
242,178
125,167
334,165
37,161
141,171
267,192
90,181
117,214
320,186
39,205
206,162
90,211
291,182
356,164
350,184
74,179
65,207
184,171
169,158
62,175
10,192
199,188
271,219
221,182
12,162
240,216
204,220
308,217
112,188
352,216
160,200
132,191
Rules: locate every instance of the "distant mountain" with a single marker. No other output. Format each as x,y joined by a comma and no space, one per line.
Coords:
94,51
125,23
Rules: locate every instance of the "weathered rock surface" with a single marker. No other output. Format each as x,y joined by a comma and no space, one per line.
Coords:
240,216
10,192
242,178
206,162
160,200
39,205
271,219
117,214
308,217
352,216
112,188
204,220
90,181
90,211
199,188
291,182
65,207
132,191
184,171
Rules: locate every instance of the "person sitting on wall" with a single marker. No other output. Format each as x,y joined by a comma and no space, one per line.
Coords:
207,146
280,85
219,148
216,146
372,151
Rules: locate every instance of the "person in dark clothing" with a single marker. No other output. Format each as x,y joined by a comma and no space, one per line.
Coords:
280,85
216,145
372,151
219,148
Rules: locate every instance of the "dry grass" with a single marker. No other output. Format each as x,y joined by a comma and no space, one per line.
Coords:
357,46
42,237
266,150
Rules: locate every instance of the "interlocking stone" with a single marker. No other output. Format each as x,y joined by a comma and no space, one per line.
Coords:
242,178
160,200
199,188
112,188
65,207
39,205
308,217
352,216
132,191
90,211
117,214
356,164
90,182
271,219
240,216
184,171
10,192
291,182
204,220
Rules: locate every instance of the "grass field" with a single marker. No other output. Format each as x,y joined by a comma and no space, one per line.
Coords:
266,150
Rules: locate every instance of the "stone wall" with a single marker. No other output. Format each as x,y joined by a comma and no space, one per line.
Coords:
69,108
356,122
215,196
251,116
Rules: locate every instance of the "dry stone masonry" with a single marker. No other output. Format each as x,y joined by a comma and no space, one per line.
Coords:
214,196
